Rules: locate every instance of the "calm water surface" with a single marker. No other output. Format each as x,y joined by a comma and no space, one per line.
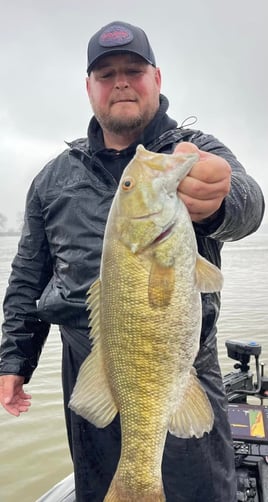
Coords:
33,448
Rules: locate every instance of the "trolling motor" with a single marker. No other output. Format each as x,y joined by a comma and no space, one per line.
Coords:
249,422
241,383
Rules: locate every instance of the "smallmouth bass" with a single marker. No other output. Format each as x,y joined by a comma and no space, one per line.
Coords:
145,318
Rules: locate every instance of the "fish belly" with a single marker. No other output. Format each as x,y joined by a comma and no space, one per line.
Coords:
148,354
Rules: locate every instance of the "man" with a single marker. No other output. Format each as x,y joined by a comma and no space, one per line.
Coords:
60,249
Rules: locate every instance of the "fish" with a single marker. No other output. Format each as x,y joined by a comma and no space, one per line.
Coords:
145,318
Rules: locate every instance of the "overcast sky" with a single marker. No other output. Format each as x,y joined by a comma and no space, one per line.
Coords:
212,54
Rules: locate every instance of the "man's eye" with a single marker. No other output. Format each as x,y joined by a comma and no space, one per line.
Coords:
133,71
106,75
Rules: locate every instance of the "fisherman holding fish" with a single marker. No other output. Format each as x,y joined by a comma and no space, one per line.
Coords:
126,227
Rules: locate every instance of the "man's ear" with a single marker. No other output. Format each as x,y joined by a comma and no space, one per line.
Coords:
158,77
88,85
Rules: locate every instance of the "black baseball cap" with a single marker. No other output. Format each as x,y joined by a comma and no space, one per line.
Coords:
119,37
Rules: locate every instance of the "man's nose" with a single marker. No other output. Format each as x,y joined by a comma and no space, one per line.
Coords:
121,82
121,85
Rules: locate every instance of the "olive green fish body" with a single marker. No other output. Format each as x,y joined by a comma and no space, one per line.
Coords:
146,354
146,322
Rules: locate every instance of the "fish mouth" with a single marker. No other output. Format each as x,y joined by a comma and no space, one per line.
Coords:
164,234
146,216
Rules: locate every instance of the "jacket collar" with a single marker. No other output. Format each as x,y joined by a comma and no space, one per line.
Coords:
159,131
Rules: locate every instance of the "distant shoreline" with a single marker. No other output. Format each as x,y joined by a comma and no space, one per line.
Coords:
15,233
10,233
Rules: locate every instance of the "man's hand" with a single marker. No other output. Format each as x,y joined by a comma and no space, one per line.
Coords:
206,185
12,396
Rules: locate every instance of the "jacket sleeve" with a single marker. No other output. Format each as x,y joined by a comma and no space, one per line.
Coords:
242,210
23,333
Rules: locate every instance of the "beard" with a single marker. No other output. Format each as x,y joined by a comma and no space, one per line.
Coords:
123,124
127,121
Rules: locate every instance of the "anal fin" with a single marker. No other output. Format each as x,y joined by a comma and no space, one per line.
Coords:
194,416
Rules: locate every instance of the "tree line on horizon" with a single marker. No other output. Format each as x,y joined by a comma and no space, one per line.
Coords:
4,222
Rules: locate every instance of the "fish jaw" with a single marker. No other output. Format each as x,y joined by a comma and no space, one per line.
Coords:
137,235
146,203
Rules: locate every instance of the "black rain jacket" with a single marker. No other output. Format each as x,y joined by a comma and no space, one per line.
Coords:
66,211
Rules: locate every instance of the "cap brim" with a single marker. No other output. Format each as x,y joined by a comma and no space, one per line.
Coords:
115,50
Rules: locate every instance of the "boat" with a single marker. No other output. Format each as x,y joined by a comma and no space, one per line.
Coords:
63,491
250,440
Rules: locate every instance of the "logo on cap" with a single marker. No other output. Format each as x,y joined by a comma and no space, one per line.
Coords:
115,35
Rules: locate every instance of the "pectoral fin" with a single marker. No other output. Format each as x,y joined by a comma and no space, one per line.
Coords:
194,416
91,397
161,285
208,277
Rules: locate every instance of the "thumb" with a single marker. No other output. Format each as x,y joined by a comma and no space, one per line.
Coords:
186,147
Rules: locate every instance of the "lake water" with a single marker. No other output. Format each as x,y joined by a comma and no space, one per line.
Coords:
34,453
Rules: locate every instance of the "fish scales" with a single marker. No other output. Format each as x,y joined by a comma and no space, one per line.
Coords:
146,325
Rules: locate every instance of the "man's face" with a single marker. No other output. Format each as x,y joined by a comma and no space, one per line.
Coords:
124,92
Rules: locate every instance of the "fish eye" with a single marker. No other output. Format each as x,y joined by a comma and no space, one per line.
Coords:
128,183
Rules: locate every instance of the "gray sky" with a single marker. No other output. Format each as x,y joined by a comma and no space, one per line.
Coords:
212,54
